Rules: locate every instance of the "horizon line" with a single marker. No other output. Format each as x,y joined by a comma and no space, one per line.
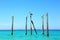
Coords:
32,29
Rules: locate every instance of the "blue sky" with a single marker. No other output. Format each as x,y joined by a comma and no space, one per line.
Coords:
20,9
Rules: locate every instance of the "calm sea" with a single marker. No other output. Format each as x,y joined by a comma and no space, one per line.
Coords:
20,35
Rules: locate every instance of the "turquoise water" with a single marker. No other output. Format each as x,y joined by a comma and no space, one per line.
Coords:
20,35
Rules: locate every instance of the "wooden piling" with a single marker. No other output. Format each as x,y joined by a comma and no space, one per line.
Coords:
30,23
43,24
12,25
31,30
26,26
47,33
34,27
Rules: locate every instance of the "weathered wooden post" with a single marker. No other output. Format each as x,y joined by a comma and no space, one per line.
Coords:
34,27
30,23
26,26
12,25
43,24
31,30
47,33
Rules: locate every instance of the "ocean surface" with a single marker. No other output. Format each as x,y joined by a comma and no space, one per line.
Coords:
20,35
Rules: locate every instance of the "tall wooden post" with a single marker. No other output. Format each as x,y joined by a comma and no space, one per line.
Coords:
43,24
26,26
30,23
12,25
47,33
